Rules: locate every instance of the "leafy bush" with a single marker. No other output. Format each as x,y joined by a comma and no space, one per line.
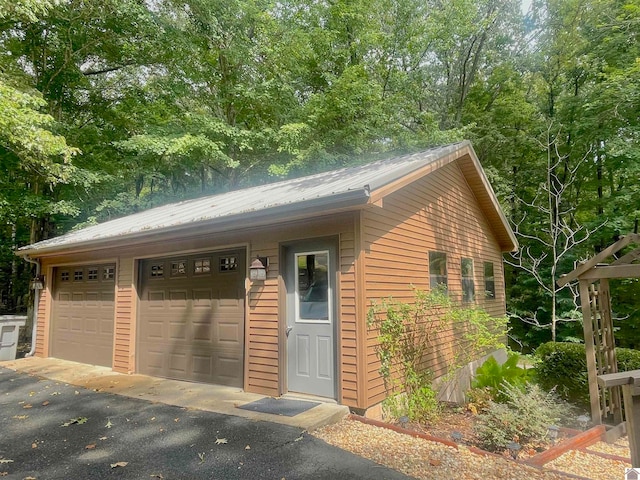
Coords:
525,417
491,375
421,406
628,359
407,333
564,366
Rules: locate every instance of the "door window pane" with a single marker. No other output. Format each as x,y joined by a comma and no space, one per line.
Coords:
312,282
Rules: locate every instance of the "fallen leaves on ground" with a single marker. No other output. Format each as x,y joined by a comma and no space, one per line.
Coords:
45,403
28,405
34,445
5,460
4,474
201,457
109,424
221,441
91,446
156,475
75,421
119,464
21,417
247,447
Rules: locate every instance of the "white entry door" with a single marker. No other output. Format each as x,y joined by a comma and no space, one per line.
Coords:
311,320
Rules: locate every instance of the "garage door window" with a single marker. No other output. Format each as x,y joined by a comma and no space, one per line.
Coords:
201,266
157,270
64,276
108,273
77,275
92,274
178,268
228,264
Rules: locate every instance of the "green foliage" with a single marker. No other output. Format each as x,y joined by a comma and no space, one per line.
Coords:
524,417
491,375
563,366
628,359
407,334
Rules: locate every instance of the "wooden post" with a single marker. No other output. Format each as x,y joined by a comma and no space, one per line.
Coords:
632,412
592,369
631,396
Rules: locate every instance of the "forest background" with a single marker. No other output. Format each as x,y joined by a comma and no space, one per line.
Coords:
108,107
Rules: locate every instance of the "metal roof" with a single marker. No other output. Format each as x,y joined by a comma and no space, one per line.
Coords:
346,186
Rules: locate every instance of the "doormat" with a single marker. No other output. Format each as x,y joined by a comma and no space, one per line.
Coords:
279,406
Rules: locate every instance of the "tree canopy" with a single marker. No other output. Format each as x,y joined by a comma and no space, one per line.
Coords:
111,106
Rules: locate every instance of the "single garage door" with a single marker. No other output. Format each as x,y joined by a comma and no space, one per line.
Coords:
191,317
83,314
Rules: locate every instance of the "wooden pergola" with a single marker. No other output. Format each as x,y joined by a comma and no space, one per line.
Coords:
595,297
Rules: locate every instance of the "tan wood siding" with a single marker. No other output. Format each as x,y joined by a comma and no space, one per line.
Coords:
436,213
348,321
125,317
42,327
263,333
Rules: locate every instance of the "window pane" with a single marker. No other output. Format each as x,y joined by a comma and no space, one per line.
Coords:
178,268
489,281
313,286
468,285
437,269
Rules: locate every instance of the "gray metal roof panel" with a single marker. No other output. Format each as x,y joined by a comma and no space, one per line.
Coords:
318,187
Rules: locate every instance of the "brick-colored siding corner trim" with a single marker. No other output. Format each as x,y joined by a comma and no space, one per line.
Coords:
395,428
581,440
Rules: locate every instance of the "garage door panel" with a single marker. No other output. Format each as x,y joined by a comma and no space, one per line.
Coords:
201,314
82,319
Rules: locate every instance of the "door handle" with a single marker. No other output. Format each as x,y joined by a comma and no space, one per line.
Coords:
289,330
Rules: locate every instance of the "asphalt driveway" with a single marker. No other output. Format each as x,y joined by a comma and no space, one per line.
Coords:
50,430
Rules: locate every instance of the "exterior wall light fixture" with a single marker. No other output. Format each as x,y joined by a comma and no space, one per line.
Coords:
258,269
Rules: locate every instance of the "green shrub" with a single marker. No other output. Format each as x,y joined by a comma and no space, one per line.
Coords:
491,375
628,359
564,366
525,417
408,333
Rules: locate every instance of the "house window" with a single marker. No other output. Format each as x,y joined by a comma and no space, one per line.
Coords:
157,270
178,268
489,281
468,286
77,275
108,273
202,265
92,273
228,264
64,276
438,269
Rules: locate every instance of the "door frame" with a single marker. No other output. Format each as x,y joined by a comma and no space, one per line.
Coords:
331,242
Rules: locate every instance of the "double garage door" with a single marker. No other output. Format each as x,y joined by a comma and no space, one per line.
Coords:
190,316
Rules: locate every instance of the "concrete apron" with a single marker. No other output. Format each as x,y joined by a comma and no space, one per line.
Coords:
199,396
